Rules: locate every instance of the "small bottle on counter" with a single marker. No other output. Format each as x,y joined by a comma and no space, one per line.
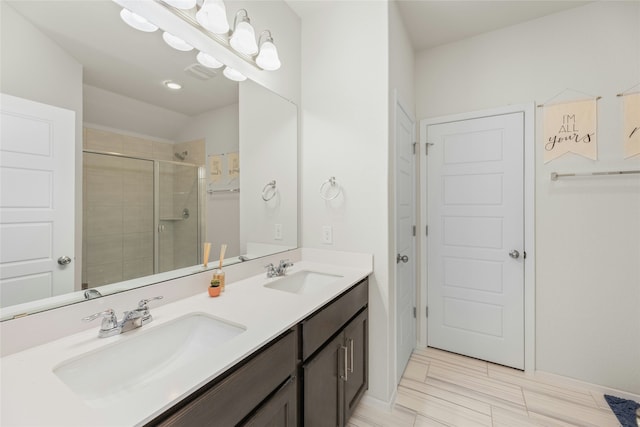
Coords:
218,274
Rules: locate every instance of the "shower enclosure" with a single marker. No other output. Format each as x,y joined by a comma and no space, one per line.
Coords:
140,217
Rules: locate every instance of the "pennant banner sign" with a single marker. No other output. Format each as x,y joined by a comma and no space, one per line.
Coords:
631,106
570,128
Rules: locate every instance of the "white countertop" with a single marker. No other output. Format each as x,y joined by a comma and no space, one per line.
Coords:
33,395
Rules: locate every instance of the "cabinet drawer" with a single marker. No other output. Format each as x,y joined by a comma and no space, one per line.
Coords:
318,328
233,398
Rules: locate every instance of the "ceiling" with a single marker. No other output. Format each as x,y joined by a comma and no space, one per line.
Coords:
119,59
124,61
432,23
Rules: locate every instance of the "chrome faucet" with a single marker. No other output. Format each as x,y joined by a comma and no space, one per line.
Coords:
280,270
92,293
130,320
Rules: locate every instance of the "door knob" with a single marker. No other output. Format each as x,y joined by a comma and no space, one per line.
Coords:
64,260
514,254
402,258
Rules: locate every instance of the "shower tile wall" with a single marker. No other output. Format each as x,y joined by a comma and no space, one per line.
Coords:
118,224
118,228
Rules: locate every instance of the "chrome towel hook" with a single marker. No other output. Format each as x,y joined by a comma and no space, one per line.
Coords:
325,189
269,191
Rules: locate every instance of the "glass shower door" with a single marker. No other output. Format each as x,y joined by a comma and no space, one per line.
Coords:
178,238
118,225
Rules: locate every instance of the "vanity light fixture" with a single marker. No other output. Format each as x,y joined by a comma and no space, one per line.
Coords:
234,75
212,15
208,60
181,4
136,21
172,85
176,42
243,38
268,59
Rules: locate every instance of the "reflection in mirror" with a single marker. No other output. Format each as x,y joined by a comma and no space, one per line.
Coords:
159,172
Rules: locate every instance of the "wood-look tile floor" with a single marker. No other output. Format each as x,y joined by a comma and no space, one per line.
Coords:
445,389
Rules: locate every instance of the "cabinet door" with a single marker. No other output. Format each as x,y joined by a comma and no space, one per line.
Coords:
356,341
226,403
280,410
323,398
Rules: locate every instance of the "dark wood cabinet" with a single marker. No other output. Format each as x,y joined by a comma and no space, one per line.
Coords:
357,380
280,410
336,376
226,402
313,375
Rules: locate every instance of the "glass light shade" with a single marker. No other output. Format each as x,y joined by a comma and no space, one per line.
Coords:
213,16
208,60
181,4
268,59
176,42
136,21
234,75
243,39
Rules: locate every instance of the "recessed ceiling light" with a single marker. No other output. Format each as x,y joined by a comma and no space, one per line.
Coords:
172,85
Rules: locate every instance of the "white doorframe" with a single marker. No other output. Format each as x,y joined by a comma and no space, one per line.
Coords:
529,221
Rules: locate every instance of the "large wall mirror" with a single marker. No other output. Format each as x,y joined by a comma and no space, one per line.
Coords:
162,171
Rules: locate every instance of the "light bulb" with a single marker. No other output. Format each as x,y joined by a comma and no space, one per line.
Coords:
243,38
213,16
176,42
234,75
181,4
268,59
136,21
208,60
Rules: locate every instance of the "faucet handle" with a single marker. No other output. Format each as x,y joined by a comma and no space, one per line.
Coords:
109,320
143,303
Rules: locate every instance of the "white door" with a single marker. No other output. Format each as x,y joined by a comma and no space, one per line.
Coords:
37,189
476,238
405,240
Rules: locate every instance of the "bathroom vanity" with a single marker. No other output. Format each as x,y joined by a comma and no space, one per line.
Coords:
286,350
271,388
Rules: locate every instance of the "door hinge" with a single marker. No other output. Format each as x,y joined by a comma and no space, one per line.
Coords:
426,309
414,147
414,231
426,230
426,148
414,312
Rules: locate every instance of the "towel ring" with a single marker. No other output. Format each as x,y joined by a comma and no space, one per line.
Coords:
268,195
330,183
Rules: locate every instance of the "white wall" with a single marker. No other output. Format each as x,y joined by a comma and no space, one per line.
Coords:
268,143
345,88
219,128
24,50
587,230
124,113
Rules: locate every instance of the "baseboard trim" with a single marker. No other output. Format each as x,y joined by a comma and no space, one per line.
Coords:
369,400
597,388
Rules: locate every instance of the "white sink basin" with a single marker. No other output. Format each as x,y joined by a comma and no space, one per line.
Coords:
303,282
145,358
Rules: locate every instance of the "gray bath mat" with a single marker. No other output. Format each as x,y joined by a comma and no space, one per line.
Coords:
624,409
